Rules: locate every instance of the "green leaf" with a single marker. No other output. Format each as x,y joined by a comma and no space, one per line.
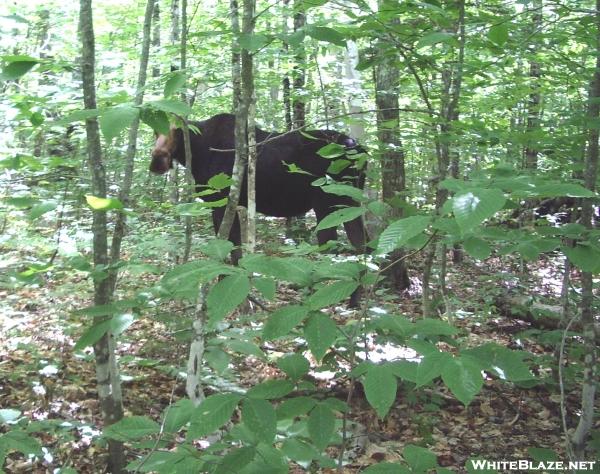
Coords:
120,323
157,120
170,106
131,428
295,407
433,327
282,321
103,204
245,347
332,150
477,248
340,216
329,35
430,367
178,415
331,294
400,232
198,209
387,468
585,257
472,208
563,189
174,83
253,42
259,416
345,190
227,295
13,70
270,389
419,459
266,286
217,248
78,115
320,333
213,412
116,119
299,451
293,269
321,425
92,335
41,209
220,181
19,441
183,280
107,309
499,34
462,375
236,458
294,365
380,388
434,38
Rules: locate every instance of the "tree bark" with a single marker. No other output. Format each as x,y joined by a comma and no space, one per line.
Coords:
533,106
590,371
156,36
299,73
107,374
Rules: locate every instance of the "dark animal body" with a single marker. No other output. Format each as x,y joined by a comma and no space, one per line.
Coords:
279,192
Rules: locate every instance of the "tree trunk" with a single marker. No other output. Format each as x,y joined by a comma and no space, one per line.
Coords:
156,36
173,178
107,374
391,152
533,107
299,108
124,193
250,104
590,371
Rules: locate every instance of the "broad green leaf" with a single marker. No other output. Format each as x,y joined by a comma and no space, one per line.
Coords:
433,327
331,294
19,441
400,232
235,459
131,428
174,83
294,365
183,281
585,257
253,42
21,202
419,459
295,407
13,70
217,248
332,150
198,209
320,333
271,389
398,325
178,415
170,106
92,335
477,248
430,367
259,416
219,181
213,412
157,120
508,364
245,347
380,388
337,166
472,208
298,450
563,189
499,34
340,216
120,322
462,375
78,115
293,269
345,190
434,38
227,295
282,321
267,287
116,119
41,209
542,454
387,468
103,204
107,309
321,424
329,35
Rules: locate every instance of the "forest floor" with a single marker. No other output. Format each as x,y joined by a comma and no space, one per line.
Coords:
43,377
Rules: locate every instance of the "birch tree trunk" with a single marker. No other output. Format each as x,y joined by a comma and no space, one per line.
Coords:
107,374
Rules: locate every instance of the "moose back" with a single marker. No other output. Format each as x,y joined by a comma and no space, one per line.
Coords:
279,192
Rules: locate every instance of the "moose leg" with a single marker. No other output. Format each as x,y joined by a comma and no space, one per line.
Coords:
325,235
357,234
